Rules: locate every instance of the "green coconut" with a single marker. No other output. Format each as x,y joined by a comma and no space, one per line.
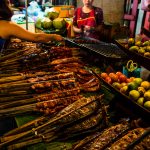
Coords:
38,23
46,23
59,23
52,15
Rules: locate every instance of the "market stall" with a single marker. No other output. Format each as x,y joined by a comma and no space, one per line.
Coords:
75,95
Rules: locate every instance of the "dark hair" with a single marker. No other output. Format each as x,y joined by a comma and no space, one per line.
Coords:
5,11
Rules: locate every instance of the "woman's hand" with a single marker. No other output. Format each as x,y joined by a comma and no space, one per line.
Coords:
88,28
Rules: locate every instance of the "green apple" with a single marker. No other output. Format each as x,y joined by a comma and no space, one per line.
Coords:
132,86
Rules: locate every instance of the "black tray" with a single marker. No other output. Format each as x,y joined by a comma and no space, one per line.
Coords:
137,109
140,59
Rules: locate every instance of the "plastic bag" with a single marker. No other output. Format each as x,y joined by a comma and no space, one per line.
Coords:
145,5
34,9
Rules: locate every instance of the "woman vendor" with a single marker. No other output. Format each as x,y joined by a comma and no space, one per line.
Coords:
88,20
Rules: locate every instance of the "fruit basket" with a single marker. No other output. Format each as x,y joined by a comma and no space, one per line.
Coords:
139,58
129,104
54,31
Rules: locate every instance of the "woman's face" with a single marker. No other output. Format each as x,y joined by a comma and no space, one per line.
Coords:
88,2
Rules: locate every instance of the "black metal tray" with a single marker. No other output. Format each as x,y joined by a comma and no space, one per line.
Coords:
137,109
140,59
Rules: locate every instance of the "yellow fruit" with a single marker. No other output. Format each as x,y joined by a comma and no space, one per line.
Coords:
148,48
131,41
147,105
147,96
141,90
140,101
138,43
116,85
134,48
134,95
146,43
141,51
124,89
147,54
145,85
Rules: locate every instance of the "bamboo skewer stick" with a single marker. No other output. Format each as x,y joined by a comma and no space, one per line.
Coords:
8,84
53,120
18,110
9,75
25,143
15,98
25,127
12,55
18,103
11,79
16,93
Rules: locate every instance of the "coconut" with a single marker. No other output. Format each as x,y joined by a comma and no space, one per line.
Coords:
51,13
46,23
59,23
38,23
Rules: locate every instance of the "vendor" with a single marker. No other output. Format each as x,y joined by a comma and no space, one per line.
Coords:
9,29
88,20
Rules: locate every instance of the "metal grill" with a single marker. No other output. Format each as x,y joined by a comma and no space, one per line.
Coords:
108,50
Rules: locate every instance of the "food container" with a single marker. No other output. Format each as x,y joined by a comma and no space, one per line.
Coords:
65,11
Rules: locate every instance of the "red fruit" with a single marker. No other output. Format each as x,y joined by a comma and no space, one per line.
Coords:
119,73
114,77
104,75
122,78
108,80
128,80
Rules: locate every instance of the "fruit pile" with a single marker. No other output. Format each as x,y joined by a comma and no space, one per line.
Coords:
135,88
140,47
51,21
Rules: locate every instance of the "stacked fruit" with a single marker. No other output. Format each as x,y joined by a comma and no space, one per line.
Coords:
140,47
135,88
